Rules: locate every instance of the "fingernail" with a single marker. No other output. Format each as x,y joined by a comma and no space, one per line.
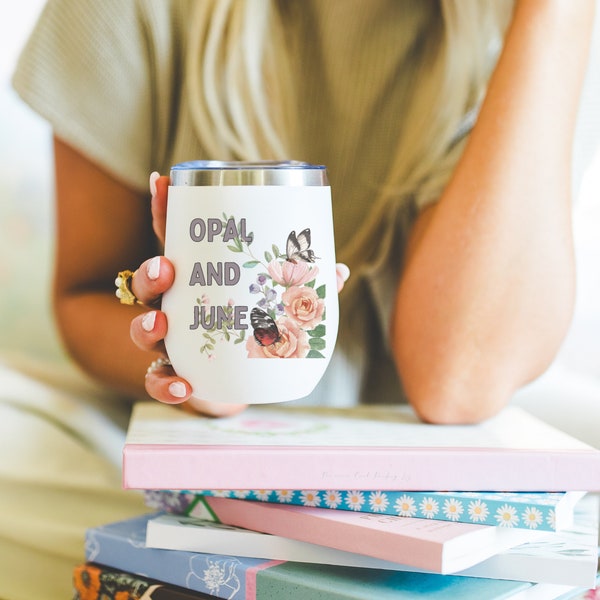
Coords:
178,389
148,320
153,178
153,268
343,271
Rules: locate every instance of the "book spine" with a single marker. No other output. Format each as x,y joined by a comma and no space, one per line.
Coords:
156,466
526,511
218,576
97,582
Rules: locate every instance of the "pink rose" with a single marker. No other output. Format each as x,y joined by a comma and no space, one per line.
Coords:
293,342
287,273
303,305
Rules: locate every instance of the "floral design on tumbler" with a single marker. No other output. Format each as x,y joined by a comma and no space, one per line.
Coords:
287,320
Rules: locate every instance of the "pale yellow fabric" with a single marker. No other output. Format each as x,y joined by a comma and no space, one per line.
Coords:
59,475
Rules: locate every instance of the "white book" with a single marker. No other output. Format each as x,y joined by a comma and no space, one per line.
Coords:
463,544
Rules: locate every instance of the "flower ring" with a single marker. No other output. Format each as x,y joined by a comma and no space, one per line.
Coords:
124,293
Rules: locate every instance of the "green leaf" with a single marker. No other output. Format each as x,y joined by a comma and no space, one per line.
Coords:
314,354
321,291
317,343
239,340
233,248
310,284
318,331
250,264
268,256
275,251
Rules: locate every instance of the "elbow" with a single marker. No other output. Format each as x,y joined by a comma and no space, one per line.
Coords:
455,388
464,391
468,379
450,404
455,398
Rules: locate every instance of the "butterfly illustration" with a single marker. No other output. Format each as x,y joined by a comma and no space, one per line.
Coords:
265,330
298,247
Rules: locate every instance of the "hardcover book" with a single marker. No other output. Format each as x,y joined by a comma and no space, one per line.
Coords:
542,511
97,582
121,546
352,449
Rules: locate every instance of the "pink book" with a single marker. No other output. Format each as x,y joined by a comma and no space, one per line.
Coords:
353,449
441,547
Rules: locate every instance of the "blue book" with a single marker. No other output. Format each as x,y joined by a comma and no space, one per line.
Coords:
121,545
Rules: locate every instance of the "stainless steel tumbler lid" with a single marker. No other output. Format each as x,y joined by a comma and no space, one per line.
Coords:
215,172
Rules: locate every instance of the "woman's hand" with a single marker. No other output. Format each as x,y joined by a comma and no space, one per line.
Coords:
154,277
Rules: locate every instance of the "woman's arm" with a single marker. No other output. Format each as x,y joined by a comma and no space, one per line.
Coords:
104,227
487,293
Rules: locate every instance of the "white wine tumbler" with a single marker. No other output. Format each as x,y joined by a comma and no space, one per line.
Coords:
253,312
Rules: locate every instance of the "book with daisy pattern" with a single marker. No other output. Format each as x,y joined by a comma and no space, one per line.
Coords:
544,511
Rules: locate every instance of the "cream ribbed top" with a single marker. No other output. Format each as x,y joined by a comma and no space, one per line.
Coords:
106,75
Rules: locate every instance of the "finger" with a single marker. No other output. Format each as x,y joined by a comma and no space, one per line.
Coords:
342,273
153,278
163,385
159,187
148,331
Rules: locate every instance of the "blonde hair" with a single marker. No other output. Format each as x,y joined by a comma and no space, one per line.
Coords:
239,82
241,93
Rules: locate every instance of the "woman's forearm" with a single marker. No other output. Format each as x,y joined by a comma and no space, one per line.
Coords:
103,227
487,292
95,330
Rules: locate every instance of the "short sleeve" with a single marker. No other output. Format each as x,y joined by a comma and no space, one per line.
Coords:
85,69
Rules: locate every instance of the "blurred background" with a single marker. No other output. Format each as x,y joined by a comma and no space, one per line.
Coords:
568,395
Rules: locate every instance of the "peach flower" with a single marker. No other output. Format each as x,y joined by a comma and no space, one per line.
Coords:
293,342
287,273
303,305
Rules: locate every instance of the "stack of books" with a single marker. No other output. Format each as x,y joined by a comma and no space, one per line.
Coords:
341,504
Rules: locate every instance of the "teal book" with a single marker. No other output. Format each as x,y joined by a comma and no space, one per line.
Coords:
540,511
